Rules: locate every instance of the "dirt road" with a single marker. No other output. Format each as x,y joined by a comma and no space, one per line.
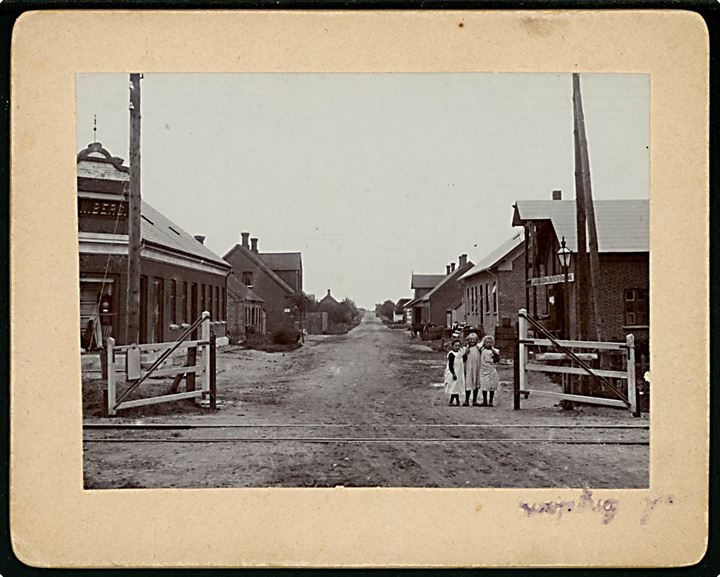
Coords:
364,409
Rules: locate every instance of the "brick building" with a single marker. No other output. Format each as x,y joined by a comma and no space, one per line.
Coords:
279,289
623,247
421,284
439,302
494,289
180,276
246,312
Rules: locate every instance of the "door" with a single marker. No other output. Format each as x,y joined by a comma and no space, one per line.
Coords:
158,310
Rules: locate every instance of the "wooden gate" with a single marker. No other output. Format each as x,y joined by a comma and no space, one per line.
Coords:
126,361
565,350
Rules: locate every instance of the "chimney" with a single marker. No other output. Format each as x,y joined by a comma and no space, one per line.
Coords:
462,260
452,267
253,245
200,238
447,269
245,236
328,292
557,195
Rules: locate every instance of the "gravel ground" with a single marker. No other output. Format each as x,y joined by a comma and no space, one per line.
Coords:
379,391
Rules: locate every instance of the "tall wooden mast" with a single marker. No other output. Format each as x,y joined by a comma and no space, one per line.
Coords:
583,194
132,334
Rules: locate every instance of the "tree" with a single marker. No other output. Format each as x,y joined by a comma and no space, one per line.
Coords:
387,310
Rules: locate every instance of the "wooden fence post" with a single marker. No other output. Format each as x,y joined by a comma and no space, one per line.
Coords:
632,385
110,409
522,351
213,373
205,337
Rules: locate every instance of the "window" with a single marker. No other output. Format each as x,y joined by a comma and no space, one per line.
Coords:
202,299
494,297
223,309
211,303
636,307
487,298
482,296
183,302
247,278
173,301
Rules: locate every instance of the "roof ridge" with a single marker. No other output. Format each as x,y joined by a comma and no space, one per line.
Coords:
257,260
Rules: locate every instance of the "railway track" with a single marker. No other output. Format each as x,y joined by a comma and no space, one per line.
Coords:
344,433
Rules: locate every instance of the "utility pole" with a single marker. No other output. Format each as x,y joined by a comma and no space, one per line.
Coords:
581,265
132,333
582,177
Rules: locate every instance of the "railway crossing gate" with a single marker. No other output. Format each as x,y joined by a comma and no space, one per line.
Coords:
620,384
125,364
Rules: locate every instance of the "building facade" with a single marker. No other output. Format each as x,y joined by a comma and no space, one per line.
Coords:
445,295
250,268
179,276
623,251
494,289
421,284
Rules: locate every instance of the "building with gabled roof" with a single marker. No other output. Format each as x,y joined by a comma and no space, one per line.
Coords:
250,268
180,277
494,289
623,249
445,295
421,284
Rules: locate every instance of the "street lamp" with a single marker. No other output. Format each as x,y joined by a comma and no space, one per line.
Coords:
565,254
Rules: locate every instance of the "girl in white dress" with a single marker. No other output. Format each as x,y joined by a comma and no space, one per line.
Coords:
455,373
472,370
489,379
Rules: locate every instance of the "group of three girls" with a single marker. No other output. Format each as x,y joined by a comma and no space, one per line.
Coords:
470,369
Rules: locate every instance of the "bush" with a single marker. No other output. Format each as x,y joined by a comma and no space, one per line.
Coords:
286,337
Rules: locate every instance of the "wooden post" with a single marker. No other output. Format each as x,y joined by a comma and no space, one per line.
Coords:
110,408
516,373
581,266
191,362
132,332
632,385
522,351
205,337
585,190
213,373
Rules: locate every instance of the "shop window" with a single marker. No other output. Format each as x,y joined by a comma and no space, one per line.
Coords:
183,302
211,303
173,302
636,307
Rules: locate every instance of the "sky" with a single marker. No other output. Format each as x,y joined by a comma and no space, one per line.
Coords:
370,176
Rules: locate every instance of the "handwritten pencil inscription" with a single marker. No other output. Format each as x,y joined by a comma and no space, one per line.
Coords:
606,507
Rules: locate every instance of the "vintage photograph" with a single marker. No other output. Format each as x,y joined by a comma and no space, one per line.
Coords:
364,280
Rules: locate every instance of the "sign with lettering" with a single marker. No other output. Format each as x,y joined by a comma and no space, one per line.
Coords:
102,208
553,279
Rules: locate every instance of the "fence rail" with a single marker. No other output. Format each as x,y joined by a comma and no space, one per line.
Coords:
135,375
525,366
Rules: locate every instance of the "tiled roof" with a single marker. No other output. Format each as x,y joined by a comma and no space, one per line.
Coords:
238,290
496,256
455,275
622,225
262,265
157,229
421,281
282,260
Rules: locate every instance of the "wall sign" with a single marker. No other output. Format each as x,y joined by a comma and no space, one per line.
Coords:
102,208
